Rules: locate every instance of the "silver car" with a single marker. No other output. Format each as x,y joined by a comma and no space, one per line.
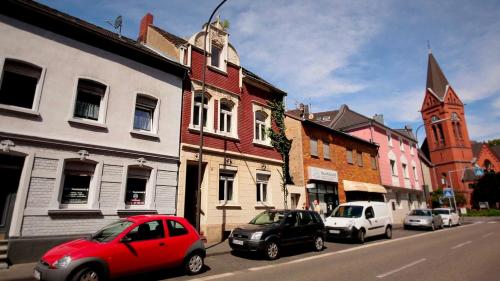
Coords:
423,218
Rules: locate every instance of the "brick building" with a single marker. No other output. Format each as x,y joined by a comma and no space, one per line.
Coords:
486,156
447,142
241,174
330,166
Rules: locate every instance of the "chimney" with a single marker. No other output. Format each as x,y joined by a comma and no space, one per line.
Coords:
143,29
379,118
304,111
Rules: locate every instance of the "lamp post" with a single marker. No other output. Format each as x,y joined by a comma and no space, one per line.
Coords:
202,121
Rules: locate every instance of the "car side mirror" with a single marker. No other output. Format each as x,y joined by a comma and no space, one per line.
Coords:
126,239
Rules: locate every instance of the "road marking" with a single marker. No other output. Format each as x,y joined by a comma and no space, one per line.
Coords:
460,245
261,267
401,268
211,277
487,234
492,222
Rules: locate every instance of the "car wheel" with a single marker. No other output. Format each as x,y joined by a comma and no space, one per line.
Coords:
318,243
361,236
194,264
272,250
388,232
87,274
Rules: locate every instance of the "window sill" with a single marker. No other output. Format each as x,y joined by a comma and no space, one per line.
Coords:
58,212
83,122
263,144
263,206
229,206
218,70
20,110
213,134
136,133
136,211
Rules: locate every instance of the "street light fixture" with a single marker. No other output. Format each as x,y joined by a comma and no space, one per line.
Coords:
202,121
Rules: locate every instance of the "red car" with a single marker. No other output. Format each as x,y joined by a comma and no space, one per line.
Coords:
127,246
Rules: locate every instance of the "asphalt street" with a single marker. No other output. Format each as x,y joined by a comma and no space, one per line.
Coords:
469,252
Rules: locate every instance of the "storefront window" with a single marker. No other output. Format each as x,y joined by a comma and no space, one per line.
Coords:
327,196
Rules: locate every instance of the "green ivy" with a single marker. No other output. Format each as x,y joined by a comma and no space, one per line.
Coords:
280,142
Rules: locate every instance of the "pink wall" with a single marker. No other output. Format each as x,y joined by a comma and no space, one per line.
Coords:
379,136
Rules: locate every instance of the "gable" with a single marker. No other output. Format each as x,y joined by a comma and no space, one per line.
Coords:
451,97
430,100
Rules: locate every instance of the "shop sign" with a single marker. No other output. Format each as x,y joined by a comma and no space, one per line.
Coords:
323,174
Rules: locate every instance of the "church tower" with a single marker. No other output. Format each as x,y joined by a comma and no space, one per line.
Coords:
448,140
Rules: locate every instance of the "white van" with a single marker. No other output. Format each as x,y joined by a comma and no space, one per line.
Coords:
358,220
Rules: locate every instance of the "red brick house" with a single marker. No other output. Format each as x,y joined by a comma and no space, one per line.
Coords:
241,173
487,157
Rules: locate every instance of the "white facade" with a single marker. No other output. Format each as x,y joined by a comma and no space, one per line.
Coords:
57,144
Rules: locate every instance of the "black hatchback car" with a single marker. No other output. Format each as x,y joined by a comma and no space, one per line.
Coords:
273,229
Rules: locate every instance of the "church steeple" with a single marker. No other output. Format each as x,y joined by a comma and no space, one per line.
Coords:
436,81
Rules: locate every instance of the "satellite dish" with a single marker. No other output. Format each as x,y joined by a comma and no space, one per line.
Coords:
117,24
311,116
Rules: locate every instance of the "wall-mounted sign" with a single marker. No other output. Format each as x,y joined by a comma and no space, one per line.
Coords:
323,174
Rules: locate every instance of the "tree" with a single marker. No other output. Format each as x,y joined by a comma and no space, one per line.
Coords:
494,142
487,189
436,197
280,142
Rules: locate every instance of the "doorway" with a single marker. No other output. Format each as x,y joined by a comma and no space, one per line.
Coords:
190,199
11,168
294,200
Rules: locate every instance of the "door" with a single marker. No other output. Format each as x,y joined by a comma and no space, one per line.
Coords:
178,242
190,199
307,226
373,225
290,232
142,249
10,174
294,200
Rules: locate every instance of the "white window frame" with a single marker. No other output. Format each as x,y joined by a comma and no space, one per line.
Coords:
221,49
103,106
155,120
226,180
415,170
404,167
267,123
209,127
150,187
260,187
394,168
226,114
411,149
389,138
38,91
401,144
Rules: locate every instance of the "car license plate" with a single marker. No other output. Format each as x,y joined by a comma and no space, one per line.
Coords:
334,231
37,274
237,242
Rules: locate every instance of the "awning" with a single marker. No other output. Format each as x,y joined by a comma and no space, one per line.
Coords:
363,186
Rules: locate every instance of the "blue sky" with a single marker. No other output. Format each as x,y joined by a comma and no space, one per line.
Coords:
370,55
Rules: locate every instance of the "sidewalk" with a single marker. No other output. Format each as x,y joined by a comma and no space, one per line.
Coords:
24,271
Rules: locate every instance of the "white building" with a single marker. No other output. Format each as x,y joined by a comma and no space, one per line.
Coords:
89,128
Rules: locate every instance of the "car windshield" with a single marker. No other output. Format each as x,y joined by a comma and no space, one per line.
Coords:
110,231
347,212
421,213
268,217
441,212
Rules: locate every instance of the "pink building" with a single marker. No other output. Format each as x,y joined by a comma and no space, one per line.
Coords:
399,164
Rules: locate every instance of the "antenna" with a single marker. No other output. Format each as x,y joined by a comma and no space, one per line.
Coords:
117,25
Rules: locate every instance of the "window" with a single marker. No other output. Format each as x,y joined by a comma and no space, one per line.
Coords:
393,167
262,181
401,145
226,181
434,132
144,115
359,156
314,147
77,181
369,213
305,218
415,172
198,108
176,228
326,150
405,170
373,161
260,126
215,56
349,156
225,116
411,149
441,134
137,182
398,198
147,231
19,83
389,139
88,100
443,179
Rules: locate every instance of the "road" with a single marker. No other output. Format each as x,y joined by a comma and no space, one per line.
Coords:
469,252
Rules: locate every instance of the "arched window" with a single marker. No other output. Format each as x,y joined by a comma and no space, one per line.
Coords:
197,108
459,130
260,125
146,113
487,165
226,116
434,131
434,119
442,140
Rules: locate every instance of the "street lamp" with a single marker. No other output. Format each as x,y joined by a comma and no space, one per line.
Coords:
202,121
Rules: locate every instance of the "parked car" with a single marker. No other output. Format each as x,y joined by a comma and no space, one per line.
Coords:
132,245
271,230
449,217
358,220
423,218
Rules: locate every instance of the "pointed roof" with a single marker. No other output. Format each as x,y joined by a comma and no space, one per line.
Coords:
436,81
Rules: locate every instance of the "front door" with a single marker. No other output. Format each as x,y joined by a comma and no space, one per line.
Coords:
190,199
10,174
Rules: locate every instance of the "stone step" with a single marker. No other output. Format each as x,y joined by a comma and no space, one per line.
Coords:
3,249
3,265
4,242
3,257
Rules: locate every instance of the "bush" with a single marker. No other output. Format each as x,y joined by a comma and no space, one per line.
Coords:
483,213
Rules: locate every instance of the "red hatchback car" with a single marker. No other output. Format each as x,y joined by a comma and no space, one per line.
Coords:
127,246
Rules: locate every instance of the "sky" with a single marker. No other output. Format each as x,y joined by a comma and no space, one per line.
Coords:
369,54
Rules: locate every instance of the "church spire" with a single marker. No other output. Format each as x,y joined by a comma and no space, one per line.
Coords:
436,81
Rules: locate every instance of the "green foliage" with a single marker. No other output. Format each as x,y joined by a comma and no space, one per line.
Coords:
225,24
483,213
435,198
436,195
280,142
460,198
487,189
494,142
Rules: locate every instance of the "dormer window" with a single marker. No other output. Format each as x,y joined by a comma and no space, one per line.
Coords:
215,56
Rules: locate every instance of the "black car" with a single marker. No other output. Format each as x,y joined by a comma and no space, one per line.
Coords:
272,229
